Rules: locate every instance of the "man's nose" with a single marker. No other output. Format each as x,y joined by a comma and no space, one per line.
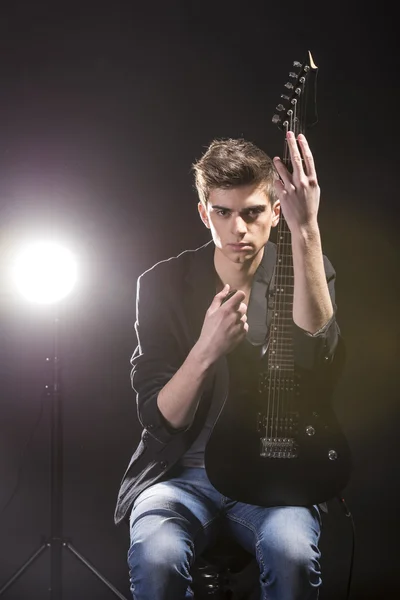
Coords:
239,225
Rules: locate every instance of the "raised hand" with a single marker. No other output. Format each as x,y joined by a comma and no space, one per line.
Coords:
298,192
225,324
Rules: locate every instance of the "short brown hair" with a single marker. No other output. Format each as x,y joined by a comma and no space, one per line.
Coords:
230,163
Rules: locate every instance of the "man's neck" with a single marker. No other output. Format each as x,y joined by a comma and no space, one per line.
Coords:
238,275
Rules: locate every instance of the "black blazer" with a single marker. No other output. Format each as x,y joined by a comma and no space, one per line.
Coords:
172,299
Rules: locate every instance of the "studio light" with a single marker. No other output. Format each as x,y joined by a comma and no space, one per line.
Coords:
44,272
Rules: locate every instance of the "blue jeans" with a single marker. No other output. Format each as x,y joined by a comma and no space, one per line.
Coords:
174,520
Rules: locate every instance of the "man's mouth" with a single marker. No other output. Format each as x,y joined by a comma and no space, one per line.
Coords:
240,246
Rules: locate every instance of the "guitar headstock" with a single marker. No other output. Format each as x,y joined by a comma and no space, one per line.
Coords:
297,109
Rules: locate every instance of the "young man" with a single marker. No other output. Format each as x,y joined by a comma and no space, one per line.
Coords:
186,332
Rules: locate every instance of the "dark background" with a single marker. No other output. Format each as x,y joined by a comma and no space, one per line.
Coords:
103,109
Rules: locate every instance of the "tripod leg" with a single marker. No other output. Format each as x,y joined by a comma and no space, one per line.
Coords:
94,570
24,567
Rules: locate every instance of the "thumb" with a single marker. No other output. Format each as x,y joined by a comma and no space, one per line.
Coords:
219,298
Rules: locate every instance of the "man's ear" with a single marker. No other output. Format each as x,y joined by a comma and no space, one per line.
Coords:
276,213
203,214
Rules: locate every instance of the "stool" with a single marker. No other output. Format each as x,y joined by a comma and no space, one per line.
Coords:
225,572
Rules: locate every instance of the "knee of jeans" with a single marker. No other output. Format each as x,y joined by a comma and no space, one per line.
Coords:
297,555
164,547
304,557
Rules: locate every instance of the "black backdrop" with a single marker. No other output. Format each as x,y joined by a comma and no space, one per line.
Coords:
103,108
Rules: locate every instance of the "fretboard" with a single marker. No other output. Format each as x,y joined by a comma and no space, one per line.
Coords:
280,357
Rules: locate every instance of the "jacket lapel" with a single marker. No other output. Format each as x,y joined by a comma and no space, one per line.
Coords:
200,288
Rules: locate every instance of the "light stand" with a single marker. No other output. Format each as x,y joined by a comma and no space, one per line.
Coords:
56,542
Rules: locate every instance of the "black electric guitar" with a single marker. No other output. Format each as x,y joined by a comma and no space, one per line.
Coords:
278,442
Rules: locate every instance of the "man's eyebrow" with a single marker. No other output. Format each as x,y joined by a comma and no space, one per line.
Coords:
247,208
219,207
255,207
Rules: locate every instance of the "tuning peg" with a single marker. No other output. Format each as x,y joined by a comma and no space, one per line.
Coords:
284,97
280,107
276,119
293,75
297,64
289,85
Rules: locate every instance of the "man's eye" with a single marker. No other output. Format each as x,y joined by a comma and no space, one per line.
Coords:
254,212
222,212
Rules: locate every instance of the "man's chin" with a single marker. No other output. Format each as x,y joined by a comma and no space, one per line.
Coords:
241,257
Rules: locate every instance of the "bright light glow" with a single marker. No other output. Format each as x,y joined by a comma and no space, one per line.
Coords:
44,272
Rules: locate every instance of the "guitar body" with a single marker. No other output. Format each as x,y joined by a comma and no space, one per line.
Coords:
317,465
277,440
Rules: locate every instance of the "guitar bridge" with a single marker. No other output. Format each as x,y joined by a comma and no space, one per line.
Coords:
278,448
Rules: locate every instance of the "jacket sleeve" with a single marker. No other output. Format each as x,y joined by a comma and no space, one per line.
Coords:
324,349
158,354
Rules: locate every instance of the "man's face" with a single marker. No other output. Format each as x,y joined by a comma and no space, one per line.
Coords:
240,220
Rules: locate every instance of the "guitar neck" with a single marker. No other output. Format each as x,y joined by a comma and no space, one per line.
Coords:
295,112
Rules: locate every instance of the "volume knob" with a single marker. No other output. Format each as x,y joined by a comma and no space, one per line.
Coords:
332,455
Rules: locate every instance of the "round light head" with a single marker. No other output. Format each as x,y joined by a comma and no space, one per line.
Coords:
44,272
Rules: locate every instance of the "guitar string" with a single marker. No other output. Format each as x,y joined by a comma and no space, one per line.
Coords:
281,317
283,389
278,331
287,290
301,129
277,344
290,268
285,378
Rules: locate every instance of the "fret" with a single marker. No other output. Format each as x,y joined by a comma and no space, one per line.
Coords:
279,349
281,318
287,360
276,365
287,349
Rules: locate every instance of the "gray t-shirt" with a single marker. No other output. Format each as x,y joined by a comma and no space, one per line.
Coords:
256,335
